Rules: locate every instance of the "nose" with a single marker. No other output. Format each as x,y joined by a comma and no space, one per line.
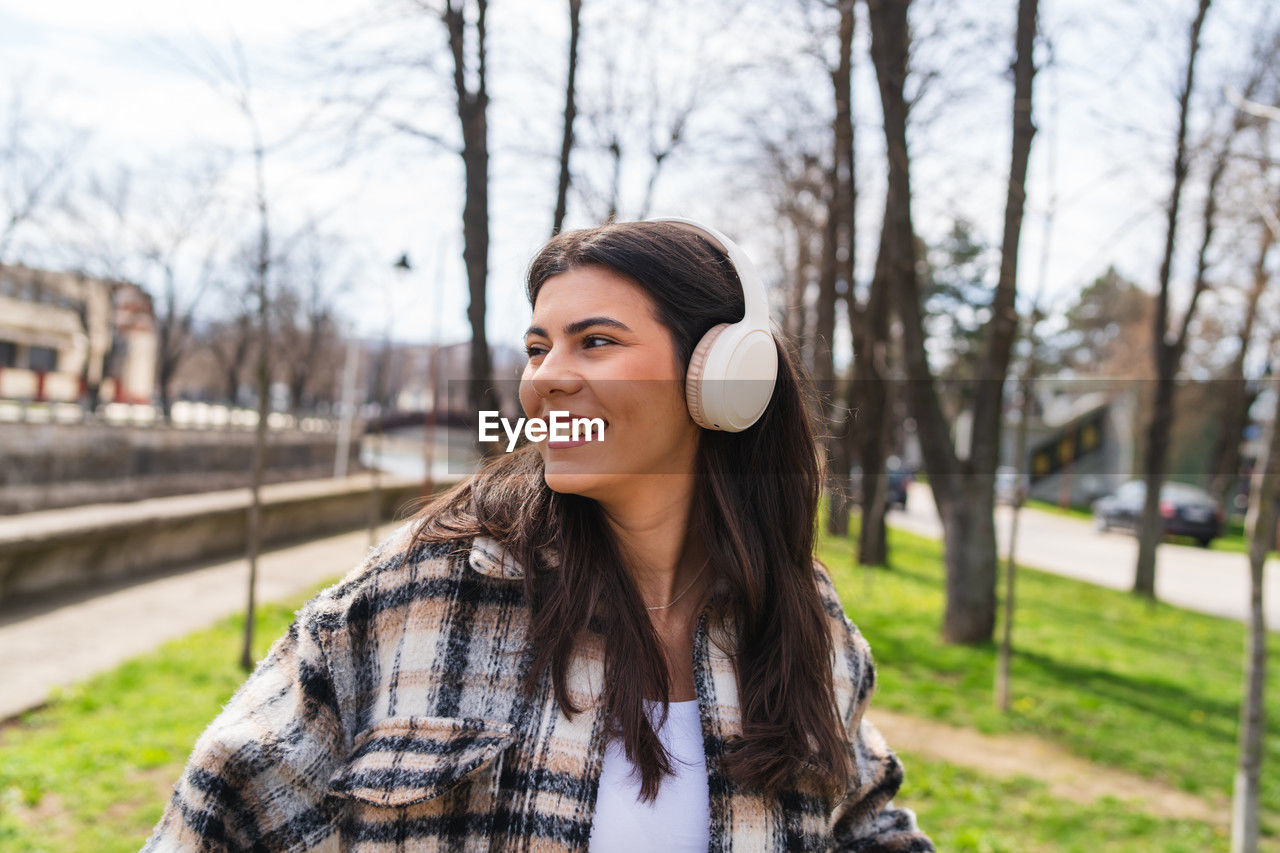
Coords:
555,373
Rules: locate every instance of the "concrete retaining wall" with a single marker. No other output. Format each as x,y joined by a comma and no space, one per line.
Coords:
45,552
47,466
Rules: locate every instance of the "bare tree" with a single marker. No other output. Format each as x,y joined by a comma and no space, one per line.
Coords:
1261,528
641,101
1264,515
242,93
612,119
307,340
229,74
36,157
1026,387
789,152
835,272
473,106
1167,351
799,181
381,95
231,341
964,492
1237,399
570,113
871,405
159,229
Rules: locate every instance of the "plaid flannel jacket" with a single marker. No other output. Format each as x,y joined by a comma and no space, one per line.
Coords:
389,717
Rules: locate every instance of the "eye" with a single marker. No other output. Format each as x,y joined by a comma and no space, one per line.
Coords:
533,350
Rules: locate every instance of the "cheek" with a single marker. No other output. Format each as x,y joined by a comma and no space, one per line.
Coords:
656,417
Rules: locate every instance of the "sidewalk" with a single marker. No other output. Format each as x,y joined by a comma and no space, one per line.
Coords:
1212,582
61,642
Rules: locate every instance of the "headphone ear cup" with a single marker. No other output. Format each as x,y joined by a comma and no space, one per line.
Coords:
694,375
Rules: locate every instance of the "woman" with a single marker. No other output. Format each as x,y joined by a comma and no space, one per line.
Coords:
611,644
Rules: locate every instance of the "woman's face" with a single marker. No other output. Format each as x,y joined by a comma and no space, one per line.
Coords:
597,350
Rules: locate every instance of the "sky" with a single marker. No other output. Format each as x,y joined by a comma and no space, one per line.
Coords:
1100,161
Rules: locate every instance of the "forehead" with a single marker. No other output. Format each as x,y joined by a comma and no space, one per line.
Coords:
593,290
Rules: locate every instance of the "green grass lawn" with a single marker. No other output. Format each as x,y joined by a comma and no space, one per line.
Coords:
963,810
1144,687
1151,691
1083,513
93,769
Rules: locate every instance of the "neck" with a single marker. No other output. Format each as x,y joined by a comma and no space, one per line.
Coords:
651,524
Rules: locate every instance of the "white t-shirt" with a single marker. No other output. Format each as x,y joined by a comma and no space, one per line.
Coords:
679,819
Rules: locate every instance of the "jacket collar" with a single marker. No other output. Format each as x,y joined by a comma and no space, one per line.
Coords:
491,558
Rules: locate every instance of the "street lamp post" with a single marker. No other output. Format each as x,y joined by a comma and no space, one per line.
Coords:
437,309
403,268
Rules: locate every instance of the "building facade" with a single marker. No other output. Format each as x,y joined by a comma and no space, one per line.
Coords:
66,337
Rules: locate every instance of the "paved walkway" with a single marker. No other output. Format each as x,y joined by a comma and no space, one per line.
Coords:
1213,582
63,641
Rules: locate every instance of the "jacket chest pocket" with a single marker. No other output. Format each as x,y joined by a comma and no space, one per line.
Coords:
431,778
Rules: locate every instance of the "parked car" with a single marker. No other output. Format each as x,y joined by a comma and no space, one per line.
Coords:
1186,510
898,478
896,488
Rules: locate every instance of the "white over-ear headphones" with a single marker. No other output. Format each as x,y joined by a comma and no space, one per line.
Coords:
734,367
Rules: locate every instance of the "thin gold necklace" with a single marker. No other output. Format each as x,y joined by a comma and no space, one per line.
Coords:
683,591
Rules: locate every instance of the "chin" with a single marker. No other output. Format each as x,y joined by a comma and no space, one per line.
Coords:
585,484
578,471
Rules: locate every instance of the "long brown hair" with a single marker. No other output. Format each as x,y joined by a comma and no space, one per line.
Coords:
755,504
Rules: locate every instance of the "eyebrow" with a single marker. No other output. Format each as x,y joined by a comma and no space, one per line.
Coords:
581,325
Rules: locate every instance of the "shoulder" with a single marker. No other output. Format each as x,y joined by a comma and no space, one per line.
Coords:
394,572
853,666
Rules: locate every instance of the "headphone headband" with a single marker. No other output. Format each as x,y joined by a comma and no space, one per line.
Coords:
753,293
732,372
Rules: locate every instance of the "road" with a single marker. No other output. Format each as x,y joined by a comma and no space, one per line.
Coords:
1213,582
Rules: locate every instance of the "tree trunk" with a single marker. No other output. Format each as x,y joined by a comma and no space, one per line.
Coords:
1005,654
969,530
473,115
1237,401
964,497
263,375
889,45
1167,354
1264,512
988,403
873,403
838,263
797,317
570,112
167,344
971,602
166,367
